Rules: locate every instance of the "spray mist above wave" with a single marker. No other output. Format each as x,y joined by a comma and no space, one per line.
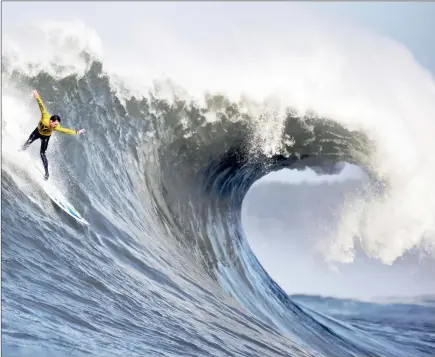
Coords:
387,97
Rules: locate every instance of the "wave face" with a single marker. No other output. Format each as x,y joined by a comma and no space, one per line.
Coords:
164,268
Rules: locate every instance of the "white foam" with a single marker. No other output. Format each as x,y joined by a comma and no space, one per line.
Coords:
51,46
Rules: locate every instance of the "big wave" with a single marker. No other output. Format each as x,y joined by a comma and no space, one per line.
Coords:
171,172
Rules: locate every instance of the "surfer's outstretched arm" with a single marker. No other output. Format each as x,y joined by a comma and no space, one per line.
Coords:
68,131
40,103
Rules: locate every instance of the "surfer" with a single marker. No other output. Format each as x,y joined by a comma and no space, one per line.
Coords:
47,124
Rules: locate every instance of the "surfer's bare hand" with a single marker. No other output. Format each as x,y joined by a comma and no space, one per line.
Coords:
81,131
35,93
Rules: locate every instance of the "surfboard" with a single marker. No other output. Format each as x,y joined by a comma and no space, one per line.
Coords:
62,202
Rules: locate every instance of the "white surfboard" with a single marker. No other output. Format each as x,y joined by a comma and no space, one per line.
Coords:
62,202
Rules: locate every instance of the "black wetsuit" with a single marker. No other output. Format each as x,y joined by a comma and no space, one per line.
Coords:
44,144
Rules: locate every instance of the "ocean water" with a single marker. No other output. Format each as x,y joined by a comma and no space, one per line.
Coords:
165,267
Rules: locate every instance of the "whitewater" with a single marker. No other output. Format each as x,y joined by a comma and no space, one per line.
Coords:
178,136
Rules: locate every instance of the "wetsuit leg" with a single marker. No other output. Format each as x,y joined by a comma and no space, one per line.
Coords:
35,135
44,145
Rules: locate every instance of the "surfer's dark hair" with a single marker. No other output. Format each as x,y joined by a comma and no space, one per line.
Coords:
55,118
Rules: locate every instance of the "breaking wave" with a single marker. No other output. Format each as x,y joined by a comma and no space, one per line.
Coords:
164,267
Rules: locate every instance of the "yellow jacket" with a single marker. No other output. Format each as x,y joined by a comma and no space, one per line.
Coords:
44,127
